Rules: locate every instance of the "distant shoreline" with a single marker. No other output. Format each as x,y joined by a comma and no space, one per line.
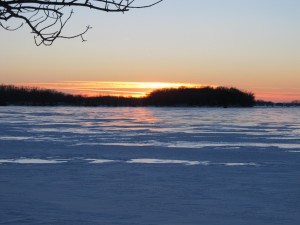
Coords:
224,97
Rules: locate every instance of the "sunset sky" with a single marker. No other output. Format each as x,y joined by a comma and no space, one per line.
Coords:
252,45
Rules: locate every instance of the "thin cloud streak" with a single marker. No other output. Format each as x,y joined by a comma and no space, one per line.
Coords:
140,89
96,88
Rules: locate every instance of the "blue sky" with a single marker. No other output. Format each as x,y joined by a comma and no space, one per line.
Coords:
253,45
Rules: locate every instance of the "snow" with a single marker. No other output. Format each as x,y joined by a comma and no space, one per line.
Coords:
165,161
100,160
23,160
31,161
240,164
158,166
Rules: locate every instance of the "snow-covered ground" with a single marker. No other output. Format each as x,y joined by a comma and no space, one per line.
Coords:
149,166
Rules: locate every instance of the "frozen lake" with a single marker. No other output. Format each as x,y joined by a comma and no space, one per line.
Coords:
149,166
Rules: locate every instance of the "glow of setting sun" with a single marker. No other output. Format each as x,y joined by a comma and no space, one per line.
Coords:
112,88
141,89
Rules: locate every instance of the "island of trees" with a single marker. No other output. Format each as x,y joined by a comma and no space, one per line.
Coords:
173,97
183,96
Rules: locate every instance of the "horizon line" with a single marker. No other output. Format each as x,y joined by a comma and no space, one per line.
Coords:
140,89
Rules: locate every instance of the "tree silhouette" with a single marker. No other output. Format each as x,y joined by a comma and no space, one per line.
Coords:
203,96
47,18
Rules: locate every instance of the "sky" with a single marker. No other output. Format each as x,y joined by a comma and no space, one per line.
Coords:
251,45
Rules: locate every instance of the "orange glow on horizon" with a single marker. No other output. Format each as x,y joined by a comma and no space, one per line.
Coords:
141,89
113,88
276,94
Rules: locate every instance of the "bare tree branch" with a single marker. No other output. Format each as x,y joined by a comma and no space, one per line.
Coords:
47,18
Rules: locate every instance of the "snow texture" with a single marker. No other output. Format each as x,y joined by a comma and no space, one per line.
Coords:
149,166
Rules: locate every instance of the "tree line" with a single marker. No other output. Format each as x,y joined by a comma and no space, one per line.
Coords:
183,96
203,96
